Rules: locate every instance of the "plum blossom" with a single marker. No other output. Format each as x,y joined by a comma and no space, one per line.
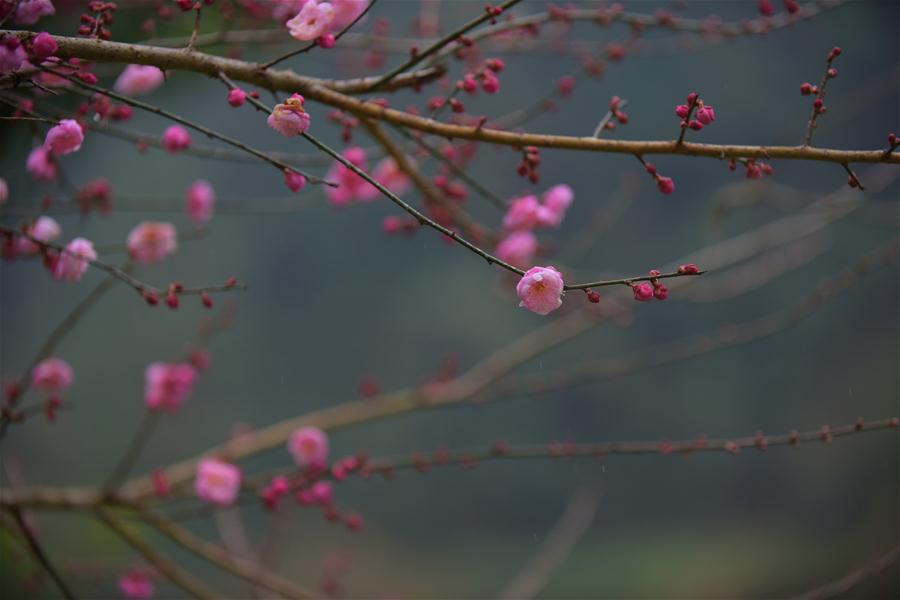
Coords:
40,164
139,80
151,241
345,11
29,11
289,118
528,212
294,180
350,185
167,386
309,447
518,248
12,55
44,229
217,482
74,261
388,174
642,291
52,375
43,46
312,21
137,584
176,138
201,199
65,137
540,290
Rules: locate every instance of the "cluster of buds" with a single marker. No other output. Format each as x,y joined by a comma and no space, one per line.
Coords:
644,291
694,114
529,166
105,108
493,12
616,105
755,169
97,25
767,9
347,122
808,89
665,184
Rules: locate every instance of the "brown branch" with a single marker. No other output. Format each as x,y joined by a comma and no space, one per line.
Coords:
40,555
224,559
854,578
181,578
572,525
319,91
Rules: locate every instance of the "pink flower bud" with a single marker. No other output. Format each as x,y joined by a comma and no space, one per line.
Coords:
665,184
176,138
326,41
706,115
294,180
237,97
43,46
489,83
201,199
642,291
52,375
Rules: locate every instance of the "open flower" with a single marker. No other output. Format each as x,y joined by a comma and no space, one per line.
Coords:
73,262
518,248
52,375
64,138
289,118
151,242
350,185
44,229
540,290
201,199
312,21
217,482
309,447
40,164
29,11
138,80
167,386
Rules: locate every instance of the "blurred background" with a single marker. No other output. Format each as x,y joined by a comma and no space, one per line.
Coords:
334,300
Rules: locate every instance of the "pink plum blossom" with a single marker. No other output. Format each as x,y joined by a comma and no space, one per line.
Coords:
706,114
12,55
167,385
289,118
557,201
201,199
540,290
237,97
642,291
309,447
64,138
151,242
350,185
217,482
388,174
52,375
44,228
139,80
312,21
43,46
40,164
518,248
74,261
176,138
137,584
522,213
29,11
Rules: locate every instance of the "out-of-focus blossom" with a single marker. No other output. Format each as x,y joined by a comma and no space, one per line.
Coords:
167,385
309,447
29,11
52,375
201,199
151,242
139,80
40,164
71,264
65,137
217,482
518,248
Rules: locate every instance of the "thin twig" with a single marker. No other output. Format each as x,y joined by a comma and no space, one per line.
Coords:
41,556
